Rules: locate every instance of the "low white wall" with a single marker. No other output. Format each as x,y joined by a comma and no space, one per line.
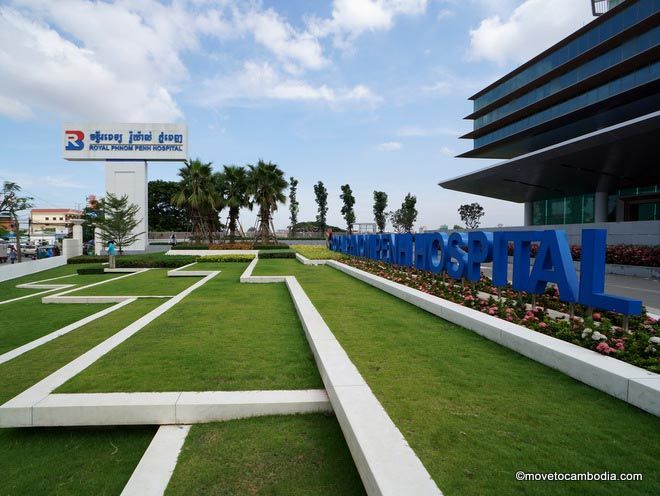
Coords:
12,271
71,248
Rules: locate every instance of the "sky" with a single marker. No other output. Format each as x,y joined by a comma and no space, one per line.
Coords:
372,93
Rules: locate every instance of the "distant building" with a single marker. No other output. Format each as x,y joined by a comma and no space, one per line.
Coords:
48,224
578,127
365,228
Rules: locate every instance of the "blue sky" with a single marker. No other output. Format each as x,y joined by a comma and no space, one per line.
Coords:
366,92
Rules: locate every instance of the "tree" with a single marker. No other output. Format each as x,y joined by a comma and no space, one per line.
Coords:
232,185
321,194
294,206
347,209
267,185
119,221
380,204
11,203
197,194
163,215
94,212
404,218
471,214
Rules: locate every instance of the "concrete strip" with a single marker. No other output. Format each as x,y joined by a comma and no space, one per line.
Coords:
247,273
225,405
18,411
204,253
39,284
5,357
153,473
105,409
306,261
605,373
386,463
63,286
645,394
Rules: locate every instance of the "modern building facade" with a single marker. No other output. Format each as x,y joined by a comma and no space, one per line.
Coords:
578,125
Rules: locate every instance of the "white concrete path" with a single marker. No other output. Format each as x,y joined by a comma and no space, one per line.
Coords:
157,465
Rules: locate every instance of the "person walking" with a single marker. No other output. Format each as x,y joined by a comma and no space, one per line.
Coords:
111,254
328,238
12,255
173,240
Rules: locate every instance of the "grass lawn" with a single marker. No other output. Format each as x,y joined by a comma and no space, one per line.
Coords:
152,282
317,252
223,336
26,320
8,289
287,455
70,461
476,412
26,370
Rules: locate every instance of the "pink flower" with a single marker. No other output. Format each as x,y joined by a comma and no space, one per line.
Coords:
543,325
604,348
596,316
491,311
509,318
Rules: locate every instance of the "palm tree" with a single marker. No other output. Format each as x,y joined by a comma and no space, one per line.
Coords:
197,194
232,186
267,185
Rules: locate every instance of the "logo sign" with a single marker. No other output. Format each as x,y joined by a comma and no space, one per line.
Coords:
153,142
461,254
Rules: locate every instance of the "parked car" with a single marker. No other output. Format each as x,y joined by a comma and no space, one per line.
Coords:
29,251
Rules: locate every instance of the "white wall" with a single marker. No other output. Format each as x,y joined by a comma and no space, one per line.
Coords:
11,271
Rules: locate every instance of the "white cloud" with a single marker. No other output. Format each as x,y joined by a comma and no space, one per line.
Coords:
351,18
289,45
445,14
263,82
389,146
532,27
446,151
418,132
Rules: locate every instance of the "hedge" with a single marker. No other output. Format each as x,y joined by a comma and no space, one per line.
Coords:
184,246
277,254
647,256
91,270
278,246
87,259
154,260
225,258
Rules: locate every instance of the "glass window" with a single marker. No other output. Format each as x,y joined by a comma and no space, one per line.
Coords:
648,211
538,213
587,209
555,210
573,210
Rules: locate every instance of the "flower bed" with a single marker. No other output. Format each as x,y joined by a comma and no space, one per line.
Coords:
317,252
601,331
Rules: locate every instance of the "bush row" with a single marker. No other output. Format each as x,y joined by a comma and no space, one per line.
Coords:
225,258
232,246
87,259
277,254
90,270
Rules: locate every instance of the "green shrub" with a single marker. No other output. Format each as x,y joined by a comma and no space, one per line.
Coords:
87,259
278,246
318,252
154,260
91,270
225,258
277,254
185,246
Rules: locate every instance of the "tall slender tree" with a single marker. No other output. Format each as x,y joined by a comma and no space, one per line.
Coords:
198,195
347,209
404,218
11,202
267,186
119,221
321,194
232,185
293,206
380,204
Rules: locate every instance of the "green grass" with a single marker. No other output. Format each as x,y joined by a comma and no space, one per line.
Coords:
223,336
152,282
8,289
317,252
26,320
62,461
476,412
26,370
287,455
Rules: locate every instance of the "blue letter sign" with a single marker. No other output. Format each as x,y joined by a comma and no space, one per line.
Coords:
461,254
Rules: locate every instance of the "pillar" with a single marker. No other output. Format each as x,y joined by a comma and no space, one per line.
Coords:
528,214
600,206
78,228
130,178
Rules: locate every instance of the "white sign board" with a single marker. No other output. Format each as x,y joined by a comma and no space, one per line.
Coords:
149,142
